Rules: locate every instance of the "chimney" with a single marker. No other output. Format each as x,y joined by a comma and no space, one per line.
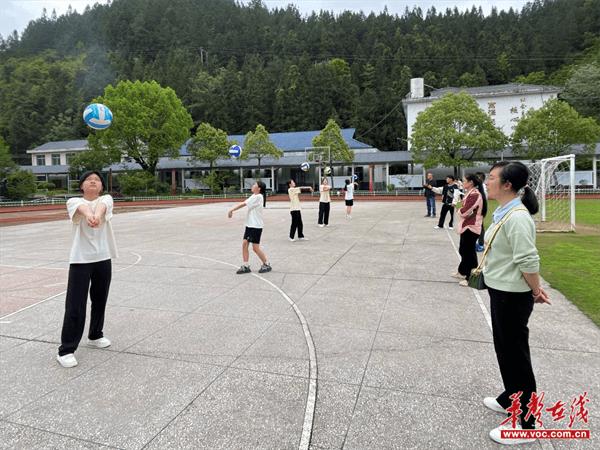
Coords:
417,88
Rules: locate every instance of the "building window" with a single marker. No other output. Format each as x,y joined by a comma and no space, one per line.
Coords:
56,159
70,157
40,160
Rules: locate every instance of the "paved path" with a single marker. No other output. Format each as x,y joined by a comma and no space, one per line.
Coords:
363,314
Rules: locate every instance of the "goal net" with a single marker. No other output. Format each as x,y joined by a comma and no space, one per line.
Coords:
553,181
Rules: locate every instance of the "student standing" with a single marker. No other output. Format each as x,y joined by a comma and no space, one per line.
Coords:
324,202
349,197
90,268
429,195
511,274
254,227
295,210
450,197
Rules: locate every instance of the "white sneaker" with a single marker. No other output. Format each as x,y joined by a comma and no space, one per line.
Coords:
321,225
292,239
436,228
463,283
496,436
303,239
451,228
350,217
67,361
99,343
457,275
492,403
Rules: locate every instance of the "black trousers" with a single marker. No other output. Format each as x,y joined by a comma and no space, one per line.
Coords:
296,224
446,209
510,313
468,253
98,274
324,208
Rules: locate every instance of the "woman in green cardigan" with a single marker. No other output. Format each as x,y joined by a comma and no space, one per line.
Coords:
512,276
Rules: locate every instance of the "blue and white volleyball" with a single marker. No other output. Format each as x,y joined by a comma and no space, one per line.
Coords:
327,171
355,177
97,116
235,151
305,166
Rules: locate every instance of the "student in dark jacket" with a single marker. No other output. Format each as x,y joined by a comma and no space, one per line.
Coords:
450,197
429,195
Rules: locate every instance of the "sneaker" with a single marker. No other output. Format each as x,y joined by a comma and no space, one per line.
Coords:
292,239
464,283
451,228
437,227
303,239
427,215
99,343
243,269
457,275
492,403
479,248
321,225
265,268
67,361
496,436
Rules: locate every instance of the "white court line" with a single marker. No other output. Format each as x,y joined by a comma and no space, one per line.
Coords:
484,310
139,258
311,400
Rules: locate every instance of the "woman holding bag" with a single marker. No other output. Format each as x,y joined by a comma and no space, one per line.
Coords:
474,207
511,273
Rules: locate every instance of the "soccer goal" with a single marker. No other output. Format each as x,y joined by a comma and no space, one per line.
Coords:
553,181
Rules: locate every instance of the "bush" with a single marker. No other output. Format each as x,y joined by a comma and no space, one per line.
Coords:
141,183
20,185
391,187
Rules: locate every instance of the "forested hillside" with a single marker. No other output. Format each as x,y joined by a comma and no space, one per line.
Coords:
235,66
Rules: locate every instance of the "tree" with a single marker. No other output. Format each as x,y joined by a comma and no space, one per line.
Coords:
210,144
331,136
454,131
552,130
149,122
95,159
582,90
7,164
257,145
20,185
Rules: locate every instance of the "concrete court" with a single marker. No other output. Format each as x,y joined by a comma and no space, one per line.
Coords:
204,358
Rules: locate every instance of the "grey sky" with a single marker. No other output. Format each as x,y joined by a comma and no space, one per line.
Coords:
16,14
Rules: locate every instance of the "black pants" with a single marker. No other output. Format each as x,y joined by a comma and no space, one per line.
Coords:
480,240
468,254
446,209
510,313
80,277
324,208
296,224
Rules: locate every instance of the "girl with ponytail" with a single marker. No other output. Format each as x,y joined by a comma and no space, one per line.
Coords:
511,274
254,226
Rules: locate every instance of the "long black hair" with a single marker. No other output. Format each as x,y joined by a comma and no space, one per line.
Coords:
263,191
516,173
479,185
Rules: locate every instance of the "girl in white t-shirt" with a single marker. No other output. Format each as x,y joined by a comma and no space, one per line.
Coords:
324,203
295,210
254,227
349,197
90,267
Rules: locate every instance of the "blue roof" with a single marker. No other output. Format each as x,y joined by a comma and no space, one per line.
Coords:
292,141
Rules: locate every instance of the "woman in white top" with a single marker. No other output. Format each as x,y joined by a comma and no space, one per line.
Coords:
90,267
254,227
324,203
295,210
349,197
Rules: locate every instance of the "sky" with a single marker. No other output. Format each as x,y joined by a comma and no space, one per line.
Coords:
16,14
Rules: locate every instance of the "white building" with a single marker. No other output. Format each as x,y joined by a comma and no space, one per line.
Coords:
504,103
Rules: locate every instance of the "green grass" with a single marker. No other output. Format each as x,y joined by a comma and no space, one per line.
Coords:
570,262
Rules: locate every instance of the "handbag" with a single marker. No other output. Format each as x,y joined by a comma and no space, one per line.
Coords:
476,280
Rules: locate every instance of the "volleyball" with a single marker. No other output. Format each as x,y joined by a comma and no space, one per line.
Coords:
97,116
327,171
305,166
